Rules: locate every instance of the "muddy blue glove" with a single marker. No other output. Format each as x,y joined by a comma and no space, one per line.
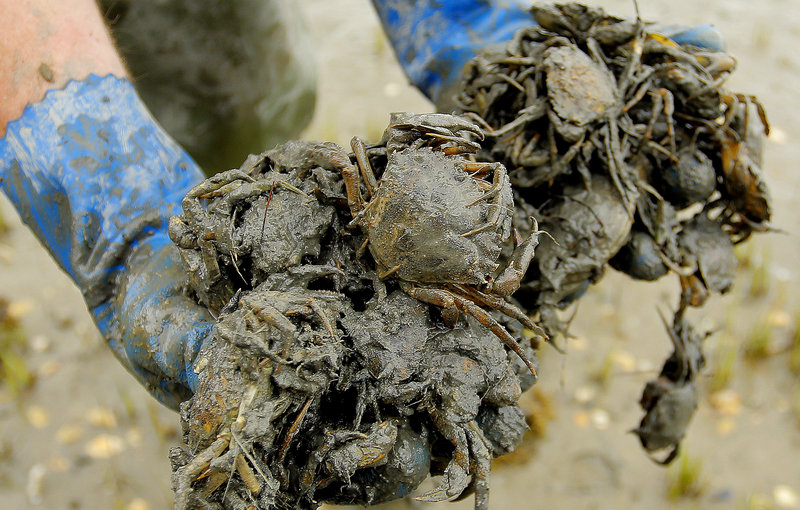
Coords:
96,179
434,39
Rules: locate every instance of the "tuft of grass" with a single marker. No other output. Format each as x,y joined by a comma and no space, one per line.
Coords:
758,343
795,407
723,363
684,478
3,225
761,273
744,255
794,347
603,373
379,45
758,502
131,412
15,375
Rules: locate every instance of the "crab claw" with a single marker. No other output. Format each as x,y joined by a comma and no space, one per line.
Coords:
454,481
509,280
456,475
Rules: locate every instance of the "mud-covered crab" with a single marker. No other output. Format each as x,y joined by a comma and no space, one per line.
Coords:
670,400
452,377
242,225
435,223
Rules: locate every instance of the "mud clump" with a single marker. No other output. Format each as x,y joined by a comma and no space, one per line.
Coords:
632,153
362,341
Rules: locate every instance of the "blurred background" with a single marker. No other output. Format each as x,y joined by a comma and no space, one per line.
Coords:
76,431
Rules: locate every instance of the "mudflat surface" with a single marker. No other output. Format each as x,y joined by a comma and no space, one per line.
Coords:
87,436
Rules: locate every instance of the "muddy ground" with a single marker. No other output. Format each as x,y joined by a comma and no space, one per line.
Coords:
85,435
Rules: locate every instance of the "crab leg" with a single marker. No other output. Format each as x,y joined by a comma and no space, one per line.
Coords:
363,164
353,185
500,305
482,461
495,327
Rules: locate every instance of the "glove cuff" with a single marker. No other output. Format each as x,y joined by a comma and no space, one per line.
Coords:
97,179
433,40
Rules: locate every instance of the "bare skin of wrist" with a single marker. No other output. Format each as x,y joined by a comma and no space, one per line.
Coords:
44,44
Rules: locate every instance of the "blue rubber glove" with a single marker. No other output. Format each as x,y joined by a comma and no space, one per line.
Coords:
96,179
434,39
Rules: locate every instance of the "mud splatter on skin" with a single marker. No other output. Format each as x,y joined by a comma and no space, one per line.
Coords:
325,380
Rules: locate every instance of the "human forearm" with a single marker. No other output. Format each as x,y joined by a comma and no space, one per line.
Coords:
44,44
96,179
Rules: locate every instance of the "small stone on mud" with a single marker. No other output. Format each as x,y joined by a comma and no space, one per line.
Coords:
68,434
785,496
134,437
40,343
58,464
18,309
138,504
777,135
727,402
581,419
392,89
600,419
725,426
49,367
624,360
105,446
778,318
101,417
37,416
585,394
35,484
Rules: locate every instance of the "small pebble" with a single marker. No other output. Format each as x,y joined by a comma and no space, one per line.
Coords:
68,434
6,254
600,419
581,419
49,367
37,416
17,309
101,417
134,437
40,343
725,426
727,402
138,504
777,135
624,360
33,489
105,446
785,496
577,343
778,319
391,89
58,464
585,394
645,365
